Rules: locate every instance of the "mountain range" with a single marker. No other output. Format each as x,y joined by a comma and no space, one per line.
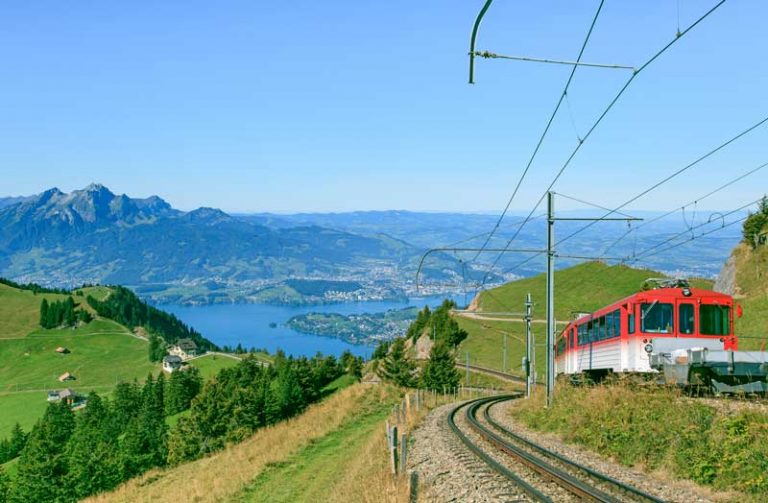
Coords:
95,236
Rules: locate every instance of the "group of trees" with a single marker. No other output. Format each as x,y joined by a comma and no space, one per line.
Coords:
439,324
438,373
68,456
33,287
440,370
11,447
124,307
756,224
247,397
62,313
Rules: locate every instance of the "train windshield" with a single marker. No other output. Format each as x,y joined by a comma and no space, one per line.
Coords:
714,319
656,318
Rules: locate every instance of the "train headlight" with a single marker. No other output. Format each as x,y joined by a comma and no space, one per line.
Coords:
649,348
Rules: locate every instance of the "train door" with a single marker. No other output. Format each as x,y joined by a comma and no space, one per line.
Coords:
571,354
632,348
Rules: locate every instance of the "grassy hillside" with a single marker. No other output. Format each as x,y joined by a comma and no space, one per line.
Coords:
101,353
334,430
585,287
752,281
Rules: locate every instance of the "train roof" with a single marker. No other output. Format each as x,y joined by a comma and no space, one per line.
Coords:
662,294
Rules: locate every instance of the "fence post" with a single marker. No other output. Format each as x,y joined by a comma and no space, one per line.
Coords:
413,489
393,450
403,452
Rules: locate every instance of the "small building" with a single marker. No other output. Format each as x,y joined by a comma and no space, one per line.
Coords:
184,348
67,395
171,363
66,376
62,350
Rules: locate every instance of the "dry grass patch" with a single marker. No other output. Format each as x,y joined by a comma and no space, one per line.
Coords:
224,474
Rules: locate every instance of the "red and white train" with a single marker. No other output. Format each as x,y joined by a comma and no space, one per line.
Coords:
684,333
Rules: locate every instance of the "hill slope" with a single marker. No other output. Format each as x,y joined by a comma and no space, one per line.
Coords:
101,354
745,276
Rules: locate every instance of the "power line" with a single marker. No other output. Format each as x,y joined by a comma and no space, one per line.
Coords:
697,200
604,113
544,133
590,204
708,222
693,238
674,175
648,190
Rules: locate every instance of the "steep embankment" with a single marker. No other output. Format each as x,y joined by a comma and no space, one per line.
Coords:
320,455
745,276
584,287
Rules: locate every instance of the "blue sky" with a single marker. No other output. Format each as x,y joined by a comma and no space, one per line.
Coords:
341,105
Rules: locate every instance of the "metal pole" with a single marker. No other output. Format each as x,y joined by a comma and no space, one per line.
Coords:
550,296
467,371
504,354
528,346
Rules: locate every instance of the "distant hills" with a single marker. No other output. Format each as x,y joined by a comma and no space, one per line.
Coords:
206,255
95,236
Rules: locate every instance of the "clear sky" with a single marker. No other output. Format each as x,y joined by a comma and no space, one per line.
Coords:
342,105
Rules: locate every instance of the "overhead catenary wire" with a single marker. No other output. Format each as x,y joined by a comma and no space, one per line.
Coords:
703,224
653,187
693,238
544,133
600,118
695,201
673,175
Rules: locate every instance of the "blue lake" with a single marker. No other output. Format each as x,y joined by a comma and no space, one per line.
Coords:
248,324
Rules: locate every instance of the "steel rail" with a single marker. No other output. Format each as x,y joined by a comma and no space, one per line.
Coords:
592,473
544,469
495,465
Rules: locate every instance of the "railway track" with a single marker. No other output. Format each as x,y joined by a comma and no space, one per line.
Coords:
541,474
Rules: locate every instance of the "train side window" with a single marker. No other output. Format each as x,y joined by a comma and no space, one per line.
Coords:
630,322
616,323
608,326
714,319
602,328
685,318
656,318
582,334
591,330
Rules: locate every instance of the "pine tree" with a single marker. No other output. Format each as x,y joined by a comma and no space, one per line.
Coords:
70,318
5,486
397,367
144,445
44,314
43,462
440,372
94,461
156,348
17,441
